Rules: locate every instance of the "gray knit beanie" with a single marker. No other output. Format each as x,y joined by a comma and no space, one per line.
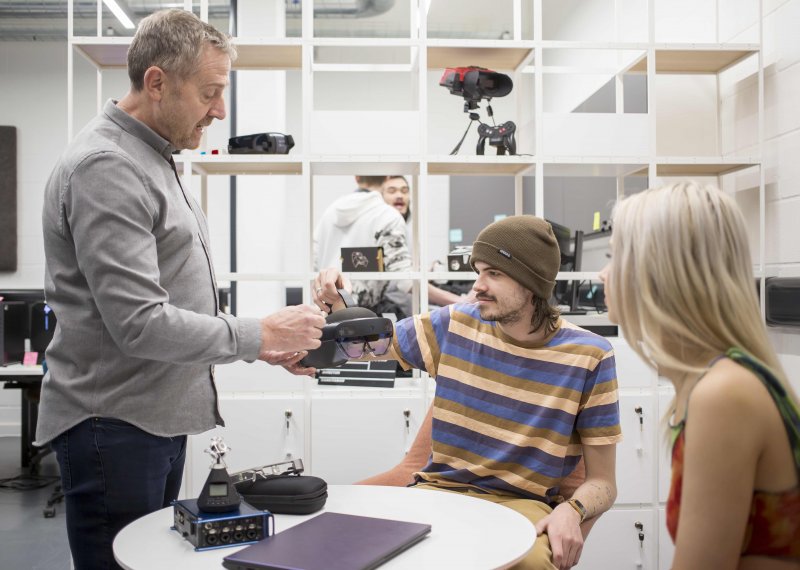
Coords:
522,247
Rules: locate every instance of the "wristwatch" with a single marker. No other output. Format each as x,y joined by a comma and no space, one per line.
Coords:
578,506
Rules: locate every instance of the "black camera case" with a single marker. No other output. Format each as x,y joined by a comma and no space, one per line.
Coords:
289,494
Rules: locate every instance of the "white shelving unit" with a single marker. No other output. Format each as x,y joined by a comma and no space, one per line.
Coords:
552,142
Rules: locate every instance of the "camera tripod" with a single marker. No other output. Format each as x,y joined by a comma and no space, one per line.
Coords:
500,136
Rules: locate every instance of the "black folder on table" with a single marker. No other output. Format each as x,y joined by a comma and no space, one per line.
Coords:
330,541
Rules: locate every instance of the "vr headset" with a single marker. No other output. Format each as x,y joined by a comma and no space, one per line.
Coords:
476,83
349,334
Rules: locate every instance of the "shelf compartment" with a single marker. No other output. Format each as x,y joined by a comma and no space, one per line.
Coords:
497,54
481,165
103,52
581,81
699,58
596,134
371,165
254,53
594,166
364,132
706,166
232,164
594,20
257,53
367,20
477,19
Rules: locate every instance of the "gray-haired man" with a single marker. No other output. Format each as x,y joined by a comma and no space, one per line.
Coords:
130,276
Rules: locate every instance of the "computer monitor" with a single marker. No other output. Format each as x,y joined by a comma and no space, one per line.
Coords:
27,296
39,319
566,292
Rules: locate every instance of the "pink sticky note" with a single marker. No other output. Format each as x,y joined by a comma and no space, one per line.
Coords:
30,358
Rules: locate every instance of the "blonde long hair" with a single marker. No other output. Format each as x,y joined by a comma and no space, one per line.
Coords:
682,278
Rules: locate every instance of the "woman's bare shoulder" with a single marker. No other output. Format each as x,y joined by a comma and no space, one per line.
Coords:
729,391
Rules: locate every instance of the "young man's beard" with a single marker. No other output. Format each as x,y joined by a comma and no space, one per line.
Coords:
501,315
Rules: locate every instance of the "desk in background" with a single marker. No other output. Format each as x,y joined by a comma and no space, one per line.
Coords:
593,321
466,533
27,379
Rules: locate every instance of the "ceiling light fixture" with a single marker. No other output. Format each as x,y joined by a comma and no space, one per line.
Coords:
119,13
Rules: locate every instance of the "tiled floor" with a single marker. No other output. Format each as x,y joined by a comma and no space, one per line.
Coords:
28,540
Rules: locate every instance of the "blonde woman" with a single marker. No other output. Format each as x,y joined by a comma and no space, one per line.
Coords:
681,286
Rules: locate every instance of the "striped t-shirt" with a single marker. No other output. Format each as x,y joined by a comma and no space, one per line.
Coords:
510,417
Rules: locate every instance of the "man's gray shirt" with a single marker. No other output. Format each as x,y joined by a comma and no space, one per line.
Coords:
130,279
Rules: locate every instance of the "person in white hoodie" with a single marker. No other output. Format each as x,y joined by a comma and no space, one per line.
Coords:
396,193
363,219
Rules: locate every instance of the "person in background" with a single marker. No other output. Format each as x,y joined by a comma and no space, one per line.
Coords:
681,286
363,219
396,193
129,273
521,394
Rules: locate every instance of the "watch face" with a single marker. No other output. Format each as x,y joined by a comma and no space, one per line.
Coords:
578,506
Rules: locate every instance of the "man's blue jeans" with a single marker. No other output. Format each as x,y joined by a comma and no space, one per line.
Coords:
112,473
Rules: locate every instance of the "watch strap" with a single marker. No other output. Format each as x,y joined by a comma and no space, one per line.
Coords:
579,508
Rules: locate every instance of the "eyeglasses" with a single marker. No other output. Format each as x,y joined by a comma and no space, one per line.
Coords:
356,347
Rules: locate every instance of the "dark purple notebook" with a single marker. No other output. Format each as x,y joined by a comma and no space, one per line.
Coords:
330,541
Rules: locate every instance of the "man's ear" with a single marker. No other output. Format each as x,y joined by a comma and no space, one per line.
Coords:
155,81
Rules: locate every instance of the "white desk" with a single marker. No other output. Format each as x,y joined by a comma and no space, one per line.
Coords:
466,533
21,370
27,379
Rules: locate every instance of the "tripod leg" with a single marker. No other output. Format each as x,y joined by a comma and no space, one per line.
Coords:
56,497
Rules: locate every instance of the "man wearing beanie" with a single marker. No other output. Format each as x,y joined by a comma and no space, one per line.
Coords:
521,394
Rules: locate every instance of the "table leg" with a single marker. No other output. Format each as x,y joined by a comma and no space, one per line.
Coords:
25,428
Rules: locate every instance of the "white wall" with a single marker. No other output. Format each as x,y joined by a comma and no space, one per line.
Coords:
781,148
33,86
588,20
26,68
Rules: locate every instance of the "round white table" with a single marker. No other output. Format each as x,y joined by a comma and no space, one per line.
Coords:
466,533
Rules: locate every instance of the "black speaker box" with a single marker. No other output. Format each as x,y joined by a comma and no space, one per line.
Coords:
8,198
294,296
13,326
783,301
